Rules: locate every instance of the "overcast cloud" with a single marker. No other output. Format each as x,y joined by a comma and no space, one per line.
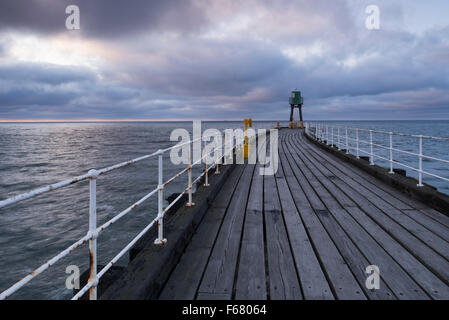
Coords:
214,59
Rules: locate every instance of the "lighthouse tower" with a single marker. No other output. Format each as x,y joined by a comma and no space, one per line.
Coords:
296,101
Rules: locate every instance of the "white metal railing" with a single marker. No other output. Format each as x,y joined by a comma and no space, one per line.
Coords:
94,231
325,133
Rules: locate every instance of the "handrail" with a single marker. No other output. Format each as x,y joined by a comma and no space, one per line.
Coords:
387,132
325,133
95,231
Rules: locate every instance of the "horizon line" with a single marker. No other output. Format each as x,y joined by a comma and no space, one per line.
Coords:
184,120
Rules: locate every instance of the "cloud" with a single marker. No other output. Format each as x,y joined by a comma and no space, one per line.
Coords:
218,60
44,73
210,68
31,89
102,18
419,104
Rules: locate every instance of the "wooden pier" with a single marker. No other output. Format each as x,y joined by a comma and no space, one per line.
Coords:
309,232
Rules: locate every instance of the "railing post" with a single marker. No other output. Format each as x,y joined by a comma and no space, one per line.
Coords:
189,177
327,134
224,146
160,240
357,142
371,147
93,234
338,138
420,184
332,137
347,146
391,153
217,169
206,173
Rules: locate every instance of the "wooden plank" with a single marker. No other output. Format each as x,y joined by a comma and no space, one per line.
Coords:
360,195
421,232
212,296
341,280
349,251
184,280
307,196
251,277
401,283
398,199
436,288
312,279
437,216
431,224
284,284
423,253
343,200
350,173
221,268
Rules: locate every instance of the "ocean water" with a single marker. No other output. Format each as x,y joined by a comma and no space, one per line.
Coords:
33,155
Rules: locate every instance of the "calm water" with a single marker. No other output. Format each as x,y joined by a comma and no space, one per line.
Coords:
34,155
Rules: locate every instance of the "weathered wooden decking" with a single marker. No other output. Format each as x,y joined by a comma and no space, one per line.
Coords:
309,232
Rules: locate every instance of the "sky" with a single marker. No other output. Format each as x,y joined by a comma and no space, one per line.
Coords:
223,60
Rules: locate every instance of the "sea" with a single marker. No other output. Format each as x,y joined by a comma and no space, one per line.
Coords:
34,155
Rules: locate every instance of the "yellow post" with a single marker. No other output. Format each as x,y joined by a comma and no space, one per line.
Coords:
245,146
250,122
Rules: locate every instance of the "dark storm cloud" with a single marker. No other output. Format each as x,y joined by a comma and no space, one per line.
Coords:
32,96
32,90
209,68
229,69
102,18
196,59
37,15
44,73
34,84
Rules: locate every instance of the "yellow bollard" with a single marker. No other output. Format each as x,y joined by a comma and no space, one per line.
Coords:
245,145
